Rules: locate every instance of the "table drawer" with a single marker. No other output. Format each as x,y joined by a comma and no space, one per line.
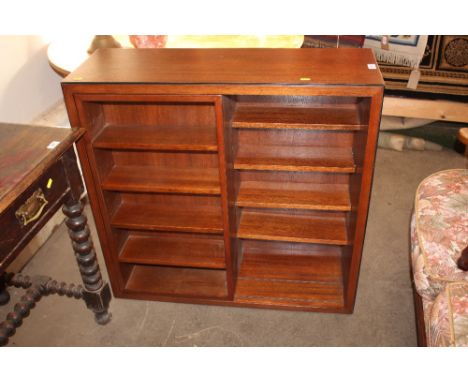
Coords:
31,210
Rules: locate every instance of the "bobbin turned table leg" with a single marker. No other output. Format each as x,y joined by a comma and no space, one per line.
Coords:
96,293
4,295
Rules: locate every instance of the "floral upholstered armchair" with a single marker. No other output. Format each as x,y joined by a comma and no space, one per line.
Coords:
439,253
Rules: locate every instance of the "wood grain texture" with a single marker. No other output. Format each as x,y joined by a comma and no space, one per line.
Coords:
224,185
367,147
331,197
288,117
280,177
299,227
84,91
200,251
167,214
270,248
156,138
229,144
290,267
294,137
178,281
303,296
294,158
303,281
161,179
213,66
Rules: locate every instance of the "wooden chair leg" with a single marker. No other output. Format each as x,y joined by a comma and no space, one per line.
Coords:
420,324
4,295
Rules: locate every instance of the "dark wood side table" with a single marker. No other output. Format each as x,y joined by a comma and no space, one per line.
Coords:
38,175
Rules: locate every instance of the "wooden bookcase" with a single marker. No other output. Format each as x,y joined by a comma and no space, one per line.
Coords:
230,176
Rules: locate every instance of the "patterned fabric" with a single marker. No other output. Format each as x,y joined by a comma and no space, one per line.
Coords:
405,50
439,231
448,319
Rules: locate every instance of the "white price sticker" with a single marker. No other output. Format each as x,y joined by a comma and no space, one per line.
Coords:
371,66
52,145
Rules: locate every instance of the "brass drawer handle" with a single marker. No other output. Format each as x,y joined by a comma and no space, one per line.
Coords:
31,210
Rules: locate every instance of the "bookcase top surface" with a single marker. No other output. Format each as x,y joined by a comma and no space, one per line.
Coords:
260,66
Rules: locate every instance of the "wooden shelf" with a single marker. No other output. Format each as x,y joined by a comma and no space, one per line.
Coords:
313,282
307,196
160,179
299,228
295,158
153,217
157,138
169,281
174,249
290,117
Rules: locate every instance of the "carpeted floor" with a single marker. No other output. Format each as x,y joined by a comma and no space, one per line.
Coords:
383,316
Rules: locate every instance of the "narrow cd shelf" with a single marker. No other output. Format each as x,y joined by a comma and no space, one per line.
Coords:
302,117
307,196
300,227
295,158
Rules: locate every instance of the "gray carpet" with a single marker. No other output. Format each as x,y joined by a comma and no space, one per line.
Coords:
384,314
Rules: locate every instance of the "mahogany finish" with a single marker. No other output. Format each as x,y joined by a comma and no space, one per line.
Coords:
292,158
230,176
314,118
163,179
149,138
178,214
307,196
171,281
230,66
174,249
293,226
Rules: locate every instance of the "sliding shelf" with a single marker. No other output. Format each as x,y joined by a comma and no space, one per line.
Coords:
308,118
295,158
161,179
307,196
174,138
326,228
185,250
177,218
180,282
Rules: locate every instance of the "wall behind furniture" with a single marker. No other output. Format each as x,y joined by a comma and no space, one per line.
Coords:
28,85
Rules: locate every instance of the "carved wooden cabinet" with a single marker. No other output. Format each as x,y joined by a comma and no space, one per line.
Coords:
230,176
